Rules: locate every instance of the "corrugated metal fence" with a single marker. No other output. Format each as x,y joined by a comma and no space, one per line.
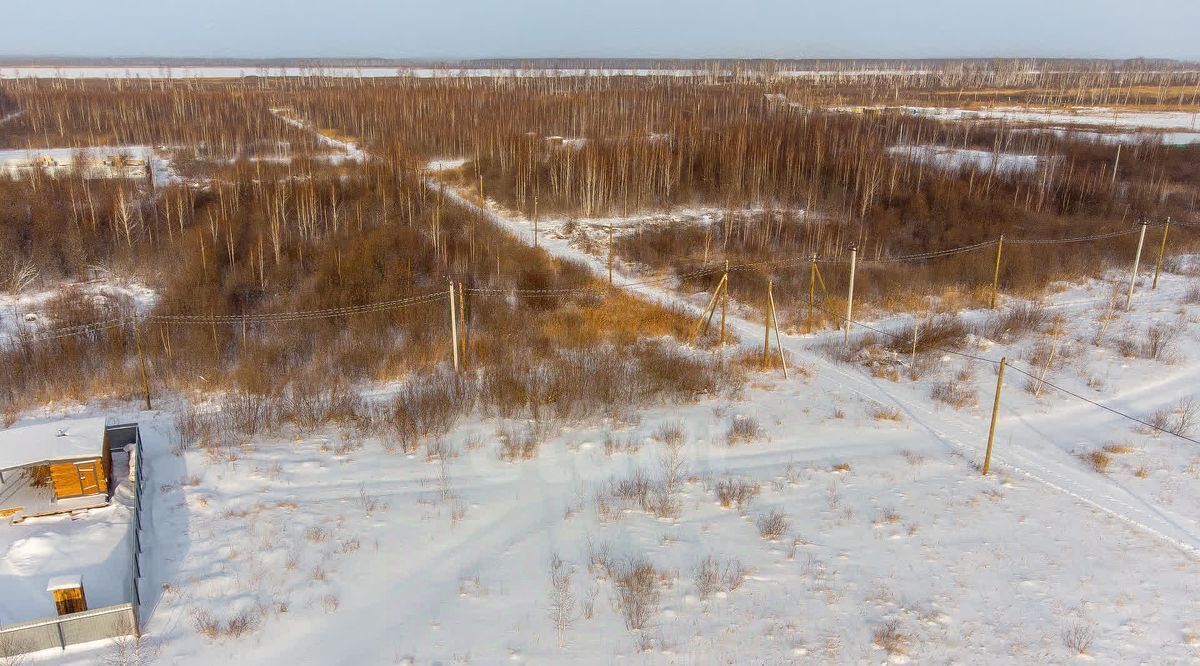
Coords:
100,623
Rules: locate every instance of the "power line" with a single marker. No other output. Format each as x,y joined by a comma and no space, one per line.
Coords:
1104,407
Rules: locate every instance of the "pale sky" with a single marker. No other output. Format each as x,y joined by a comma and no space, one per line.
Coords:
458,29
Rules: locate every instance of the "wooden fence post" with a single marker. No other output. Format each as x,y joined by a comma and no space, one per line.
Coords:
1137,258
1162,248
850,294
996,272
987,457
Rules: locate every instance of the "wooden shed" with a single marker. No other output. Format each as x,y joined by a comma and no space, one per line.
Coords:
72,458
68,594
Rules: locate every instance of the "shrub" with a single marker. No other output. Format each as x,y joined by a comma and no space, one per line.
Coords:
885,413
889,637
712,576
637,583
954,393
1015,322
736,492
773,525
1099,460
1160,342
1078,638
518,445
743,429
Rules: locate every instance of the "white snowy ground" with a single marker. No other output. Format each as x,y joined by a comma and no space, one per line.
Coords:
28,308
956,158
94,544
336,551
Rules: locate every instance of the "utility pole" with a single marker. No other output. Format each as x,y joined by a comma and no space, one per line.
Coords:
775,320
812,289
987,457
137,342
535,205
912,364
767,328
610,254
1162,248
850,294
1136,260
724,301
453,327
996,272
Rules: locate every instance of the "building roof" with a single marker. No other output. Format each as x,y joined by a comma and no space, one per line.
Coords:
64,583
67,439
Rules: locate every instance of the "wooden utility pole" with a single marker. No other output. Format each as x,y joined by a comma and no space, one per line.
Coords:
996,272
462,321
724,301
775,319
1162,248
767,328
912,364
535,214
850,294
137,342
453,327
1136,260
610,254
706,314
812,290
987,457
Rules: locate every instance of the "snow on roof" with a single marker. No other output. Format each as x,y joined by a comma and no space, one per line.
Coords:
68,439
64,583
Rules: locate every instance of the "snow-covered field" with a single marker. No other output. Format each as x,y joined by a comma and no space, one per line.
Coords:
93,161
30,308
957,158
1109,125
867,533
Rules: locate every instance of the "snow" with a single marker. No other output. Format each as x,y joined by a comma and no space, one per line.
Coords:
447,164
340,549
15,162
28,309
223,72
957,158
1187,121
66,439
64,583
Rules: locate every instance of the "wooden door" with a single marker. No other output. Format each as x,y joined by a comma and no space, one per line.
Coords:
70,600
89,480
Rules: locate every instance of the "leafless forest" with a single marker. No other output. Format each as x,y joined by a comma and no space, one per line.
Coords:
285,276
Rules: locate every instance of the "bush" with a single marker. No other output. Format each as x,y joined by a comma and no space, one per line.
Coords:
773,525
743,429
1015,322
712,576
736,492
637,583
889,637
954,393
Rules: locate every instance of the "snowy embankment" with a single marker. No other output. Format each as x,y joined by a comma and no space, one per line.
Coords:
886,543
